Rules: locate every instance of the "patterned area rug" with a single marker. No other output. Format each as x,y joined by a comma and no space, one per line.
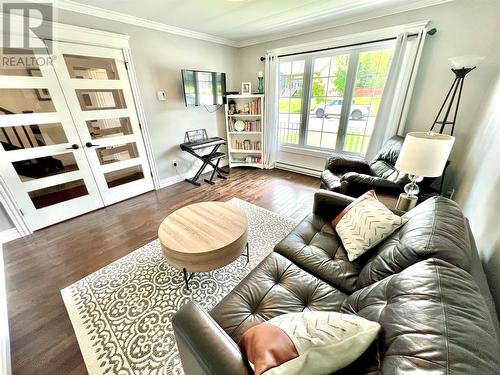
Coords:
122,313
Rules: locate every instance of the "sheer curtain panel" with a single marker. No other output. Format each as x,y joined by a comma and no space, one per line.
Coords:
398,90
270,135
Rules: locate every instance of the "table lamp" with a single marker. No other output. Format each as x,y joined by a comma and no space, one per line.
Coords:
423,154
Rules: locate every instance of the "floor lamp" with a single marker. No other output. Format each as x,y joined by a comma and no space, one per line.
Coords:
461,66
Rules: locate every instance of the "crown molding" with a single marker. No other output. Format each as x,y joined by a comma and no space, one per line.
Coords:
362,37
137,21
347,21
74,34
274,33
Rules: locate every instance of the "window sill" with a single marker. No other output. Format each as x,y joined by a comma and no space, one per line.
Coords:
316,153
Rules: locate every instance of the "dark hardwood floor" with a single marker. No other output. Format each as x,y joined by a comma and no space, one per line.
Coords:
39,266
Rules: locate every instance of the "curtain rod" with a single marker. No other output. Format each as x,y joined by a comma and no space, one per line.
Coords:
430,32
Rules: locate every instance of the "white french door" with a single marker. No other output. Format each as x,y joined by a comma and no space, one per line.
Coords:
70,141
41,158
95,84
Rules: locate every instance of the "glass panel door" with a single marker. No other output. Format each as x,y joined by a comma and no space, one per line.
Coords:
41,155
95,83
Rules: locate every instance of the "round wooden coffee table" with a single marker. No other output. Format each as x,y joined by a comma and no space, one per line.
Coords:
204,236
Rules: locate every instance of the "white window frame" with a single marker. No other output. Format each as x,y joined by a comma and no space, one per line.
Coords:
348,94
337,43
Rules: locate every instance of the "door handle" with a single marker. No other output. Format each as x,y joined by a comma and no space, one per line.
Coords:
90,144
74,146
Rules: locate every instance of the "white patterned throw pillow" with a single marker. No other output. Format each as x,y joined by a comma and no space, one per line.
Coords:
367,223
311,342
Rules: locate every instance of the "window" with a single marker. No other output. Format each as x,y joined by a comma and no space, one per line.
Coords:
291,100
330,100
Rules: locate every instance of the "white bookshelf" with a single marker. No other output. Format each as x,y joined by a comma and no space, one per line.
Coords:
250,137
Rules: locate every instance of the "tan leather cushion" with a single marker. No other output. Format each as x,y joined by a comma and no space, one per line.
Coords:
267,346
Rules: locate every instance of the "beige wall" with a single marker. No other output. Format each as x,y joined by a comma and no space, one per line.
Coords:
464,27
478,182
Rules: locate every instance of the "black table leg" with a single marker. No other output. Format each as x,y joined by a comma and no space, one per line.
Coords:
187,277
247,254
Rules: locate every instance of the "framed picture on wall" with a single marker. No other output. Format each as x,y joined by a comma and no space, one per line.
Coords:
246,88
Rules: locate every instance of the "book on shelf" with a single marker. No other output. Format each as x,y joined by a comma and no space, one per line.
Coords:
250,125
255,107
246,144
247,159
252,108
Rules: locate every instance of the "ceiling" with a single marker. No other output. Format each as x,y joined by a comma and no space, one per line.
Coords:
242,22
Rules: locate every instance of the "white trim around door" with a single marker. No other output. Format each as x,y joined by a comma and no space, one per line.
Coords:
142,117
5,361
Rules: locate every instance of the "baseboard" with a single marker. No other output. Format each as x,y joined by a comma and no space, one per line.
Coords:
5,364
170,181
9,235
298,169
178,178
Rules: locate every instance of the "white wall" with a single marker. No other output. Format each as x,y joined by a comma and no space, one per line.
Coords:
478,182
464,27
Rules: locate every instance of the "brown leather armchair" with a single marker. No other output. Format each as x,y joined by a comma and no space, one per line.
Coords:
354,177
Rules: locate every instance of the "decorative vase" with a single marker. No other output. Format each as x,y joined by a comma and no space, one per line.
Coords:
261,85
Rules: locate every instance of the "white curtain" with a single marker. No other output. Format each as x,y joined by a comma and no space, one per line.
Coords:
271,117
396,98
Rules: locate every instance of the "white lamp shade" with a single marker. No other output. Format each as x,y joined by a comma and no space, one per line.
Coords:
424,154
469,61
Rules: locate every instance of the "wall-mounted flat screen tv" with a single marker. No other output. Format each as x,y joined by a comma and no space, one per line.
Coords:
203,88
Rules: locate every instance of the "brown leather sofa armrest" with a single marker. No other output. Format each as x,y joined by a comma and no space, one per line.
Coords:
358,184
331,182
329,204
203,345
341,164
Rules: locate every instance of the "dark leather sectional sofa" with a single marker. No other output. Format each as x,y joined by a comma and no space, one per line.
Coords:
425,285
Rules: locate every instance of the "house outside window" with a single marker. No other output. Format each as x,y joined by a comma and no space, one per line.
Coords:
330,100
